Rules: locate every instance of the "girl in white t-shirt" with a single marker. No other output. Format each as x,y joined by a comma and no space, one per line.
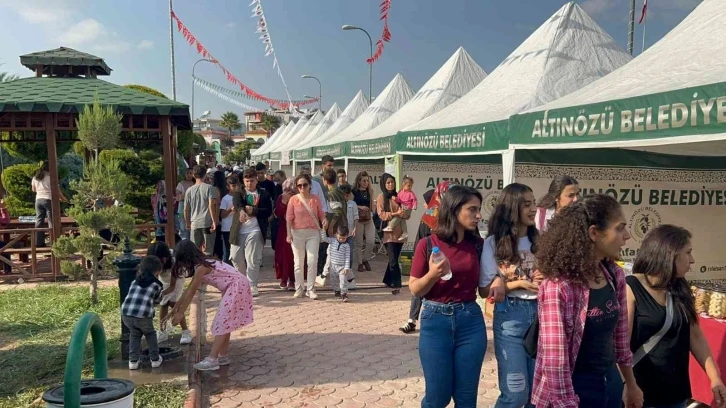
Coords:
564,190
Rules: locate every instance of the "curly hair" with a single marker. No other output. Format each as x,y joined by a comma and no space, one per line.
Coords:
358,178
566,251
504,221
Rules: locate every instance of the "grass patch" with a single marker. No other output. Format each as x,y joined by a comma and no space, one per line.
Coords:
167,394
35,328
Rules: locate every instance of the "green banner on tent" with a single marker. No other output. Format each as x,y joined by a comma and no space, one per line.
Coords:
690,111
382,146
480,138
304,154
336,150
275,156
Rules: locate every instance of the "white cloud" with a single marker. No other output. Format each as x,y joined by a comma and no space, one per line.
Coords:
229,25
39,11
94,36
145,44
595,7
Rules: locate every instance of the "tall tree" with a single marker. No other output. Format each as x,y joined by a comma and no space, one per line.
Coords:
99,127
270,124
230,121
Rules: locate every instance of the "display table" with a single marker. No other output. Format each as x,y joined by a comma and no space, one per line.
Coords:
715,332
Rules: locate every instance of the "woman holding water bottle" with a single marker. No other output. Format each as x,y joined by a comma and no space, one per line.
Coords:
452,339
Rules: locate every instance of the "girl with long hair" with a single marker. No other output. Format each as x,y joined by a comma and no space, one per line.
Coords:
366,233
220,182
564,190
235,308
387,209
453,337
583,321
658,283
508,266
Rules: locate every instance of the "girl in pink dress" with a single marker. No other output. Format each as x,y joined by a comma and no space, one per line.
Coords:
235,308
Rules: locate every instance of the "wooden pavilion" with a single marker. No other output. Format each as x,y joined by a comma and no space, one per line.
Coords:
44,109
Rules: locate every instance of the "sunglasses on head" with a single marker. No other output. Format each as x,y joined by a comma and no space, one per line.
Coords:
302,185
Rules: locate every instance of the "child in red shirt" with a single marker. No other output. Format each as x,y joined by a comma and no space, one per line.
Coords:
406,198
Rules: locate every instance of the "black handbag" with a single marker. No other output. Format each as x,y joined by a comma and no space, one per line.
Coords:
531,336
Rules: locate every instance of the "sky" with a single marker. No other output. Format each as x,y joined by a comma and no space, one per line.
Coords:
133,37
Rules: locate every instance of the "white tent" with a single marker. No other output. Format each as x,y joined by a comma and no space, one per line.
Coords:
567,52
355,108
264,149
301,134
291,130
459,75
670,99
391,99
330,118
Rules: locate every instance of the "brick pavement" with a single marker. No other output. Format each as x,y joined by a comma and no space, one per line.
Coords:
325,353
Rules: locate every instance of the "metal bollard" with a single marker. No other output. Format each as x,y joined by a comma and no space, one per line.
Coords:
127,264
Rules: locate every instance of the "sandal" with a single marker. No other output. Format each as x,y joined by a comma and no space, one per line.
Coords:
396,291
408,328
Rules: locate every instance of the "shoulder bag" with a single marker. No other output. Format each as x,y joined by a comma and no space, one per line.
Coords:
653,341
323,235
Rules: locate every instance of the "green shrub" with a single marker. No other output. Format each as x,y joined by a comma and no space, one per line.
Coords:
16,180
145,170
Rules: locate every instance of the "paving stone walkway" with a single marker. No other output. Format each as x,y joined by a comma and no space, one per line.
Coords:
325,353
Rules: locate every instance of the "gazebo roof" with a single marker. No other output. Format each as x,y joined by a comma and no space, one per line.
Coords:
65,56
71,95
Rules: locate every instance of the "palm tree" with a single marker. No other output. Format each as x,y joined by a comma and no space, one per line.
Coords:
270,124
7,77
230,120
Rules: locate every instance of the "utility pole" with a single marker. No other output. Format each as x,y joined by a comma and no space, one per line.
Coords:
171,45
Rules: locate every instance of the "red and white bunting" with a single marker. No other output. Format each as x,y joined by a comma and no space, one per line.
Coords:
385,34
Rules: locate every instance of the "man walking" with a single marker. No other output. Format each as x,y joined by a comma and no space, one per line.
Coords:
247,236
201,211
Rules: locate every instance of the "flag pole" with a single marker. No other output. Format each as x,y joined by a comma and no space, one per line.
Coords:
645,24
171,46
631,27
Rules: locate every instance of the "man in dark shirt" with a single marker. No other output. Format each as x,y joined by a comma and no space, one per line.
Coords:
279,177
263,182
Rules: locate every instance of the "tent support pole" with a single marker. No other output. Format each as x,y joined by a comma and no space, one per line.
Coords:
508,164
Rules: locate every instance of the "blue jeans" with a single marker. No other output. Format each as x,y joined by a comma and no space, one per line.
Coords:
599,391
452,344
515,369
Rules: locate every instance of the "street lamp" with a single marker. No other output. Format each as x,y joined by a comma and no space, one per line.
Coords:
193,68
320,93
370,65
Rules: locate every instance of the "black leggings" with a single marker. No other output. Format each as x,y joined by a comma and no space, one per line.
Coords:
392,277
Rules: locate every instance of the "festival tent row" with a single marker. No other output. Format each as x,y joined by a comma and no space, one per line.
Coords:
652,134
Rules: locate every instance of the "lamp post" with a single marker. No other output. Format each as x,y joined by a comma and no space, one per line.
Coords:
193,68
370,66
320,93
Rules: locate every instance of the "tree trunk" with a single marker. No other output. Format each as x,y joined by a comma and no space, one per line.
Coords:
94,282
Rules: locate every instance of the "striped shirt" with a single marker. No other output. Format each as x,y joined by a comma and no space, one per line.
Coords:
338,252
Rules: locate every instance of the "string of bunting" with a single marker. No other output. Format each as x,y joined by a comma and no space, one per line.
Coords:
259,13
385,35
217,91
246,91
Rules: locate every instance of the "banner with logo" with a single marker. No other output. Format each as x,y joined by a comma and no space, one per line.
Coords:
690,111
486,137
486,178
692,199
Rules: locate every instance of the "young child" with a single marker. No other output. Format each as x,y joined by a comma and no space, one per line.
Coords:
173,289
137,311
339,259
407,199
235,308
226,210
352,215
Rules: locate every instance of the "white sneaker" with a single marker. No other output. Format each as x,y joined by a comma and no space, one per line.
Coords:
157,363
312,295
255,291
387,229
223,360
133,365
186,337
161,336
208,364
298,293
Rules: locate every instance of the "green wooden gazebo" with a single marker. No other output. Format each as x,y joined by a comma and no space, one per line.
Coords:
44,109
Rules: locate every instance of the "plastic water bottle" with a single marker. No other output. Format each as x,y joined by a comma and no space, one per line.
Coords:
439,257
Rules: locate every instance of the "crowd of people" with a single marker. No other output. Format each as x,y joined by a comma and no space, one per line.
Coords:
570,329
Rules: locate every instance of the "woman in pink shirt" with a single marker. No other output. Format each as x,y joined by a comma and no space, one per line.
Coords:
583,320
304,215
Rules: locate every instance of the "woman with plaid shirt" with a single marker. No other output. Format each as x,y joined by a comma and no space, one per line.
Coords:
583,320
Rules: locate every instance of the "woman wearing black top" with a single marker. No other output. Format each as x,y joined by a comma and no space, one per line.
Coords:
659,270
366,231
